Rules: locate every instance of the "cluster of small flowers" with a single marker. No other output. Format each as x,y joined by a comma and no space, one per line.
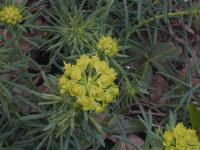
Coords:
108,45
10,15
181,138
90,81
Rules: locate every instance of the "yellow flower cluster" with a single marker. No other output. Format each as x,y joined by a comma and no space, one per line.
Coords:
90,81
108,45
181,138
10,15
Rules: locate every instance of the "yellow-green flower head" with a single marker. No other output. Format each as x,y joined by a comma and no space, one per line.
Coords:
95,91
108,45
63,84
11,15
77,90
83,62
90,81
104,80
181,138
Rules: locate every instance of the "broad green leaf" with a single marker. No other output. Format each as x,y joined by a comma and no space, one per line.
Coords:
165,52
131,125
194,114
146,73
96,124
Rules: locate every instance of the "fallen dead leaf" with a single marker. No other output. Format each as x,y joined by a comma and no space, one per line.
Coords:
159,86
133,138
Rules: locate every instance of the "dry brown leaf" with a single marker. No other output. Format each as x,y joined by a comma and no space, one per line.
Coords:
184,71
133,138
159,86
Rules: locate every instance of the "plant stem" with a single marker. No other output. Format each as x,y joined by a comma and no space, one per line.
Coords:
161,16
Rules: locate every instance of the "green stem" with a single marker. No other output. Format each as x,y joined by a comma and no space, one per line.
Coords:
161,16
